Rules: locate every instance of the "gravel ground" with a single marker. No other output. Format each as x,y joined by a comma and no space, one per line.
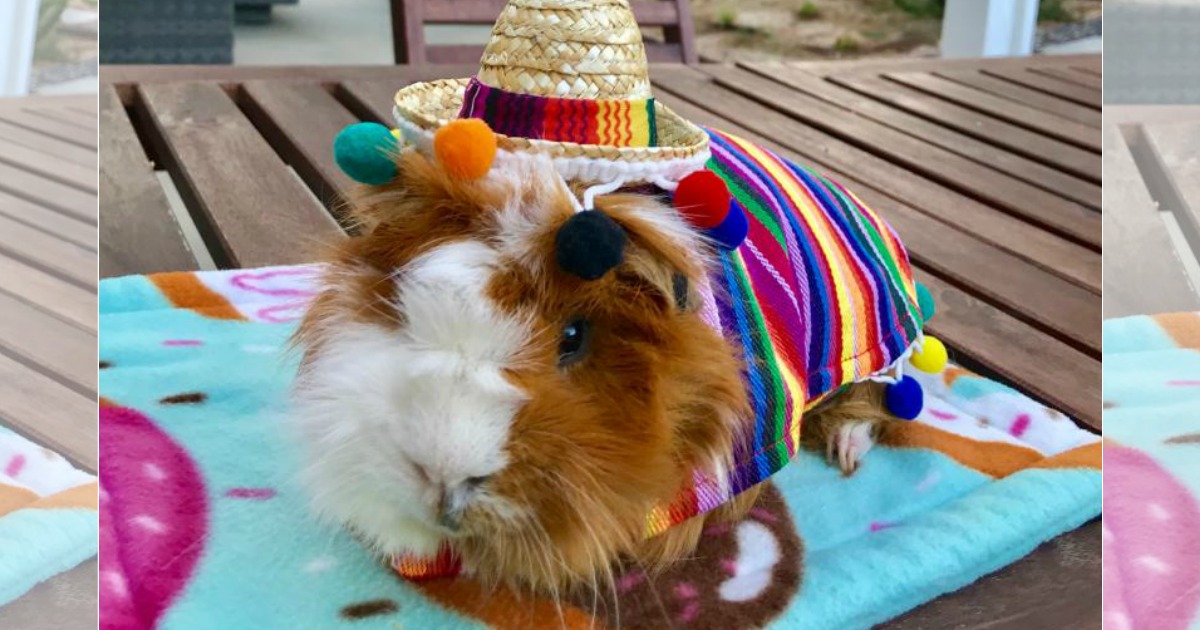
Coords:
1063,33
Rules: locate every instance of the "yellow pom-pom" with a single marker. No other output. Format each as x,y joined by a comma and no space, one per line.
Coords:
932,356
465,148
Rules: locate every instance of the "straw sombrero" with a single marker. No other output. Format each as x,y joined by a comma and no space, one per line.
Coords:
566,79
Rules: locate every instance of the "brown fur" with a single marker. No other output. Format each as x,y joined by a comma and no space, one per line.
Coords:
598,443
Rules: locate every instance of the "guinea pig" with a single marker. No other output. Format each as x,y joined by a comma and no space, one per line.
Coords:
457,387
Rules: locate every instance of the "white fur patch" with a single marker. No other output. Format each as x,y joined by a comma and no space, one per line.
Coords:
376,404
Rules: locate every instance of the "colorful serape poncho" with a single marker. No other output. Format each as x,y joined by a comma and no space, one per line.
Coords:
819,295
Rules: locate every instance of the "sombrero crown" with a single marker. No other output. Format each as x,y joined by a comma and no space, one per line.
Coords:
567,79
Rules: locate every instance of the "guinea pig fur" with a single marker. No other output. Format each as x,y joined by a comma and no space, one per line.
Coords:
457,386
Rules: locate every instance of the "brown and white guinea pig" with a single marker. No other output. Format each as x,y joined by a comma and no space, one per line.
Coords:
457,385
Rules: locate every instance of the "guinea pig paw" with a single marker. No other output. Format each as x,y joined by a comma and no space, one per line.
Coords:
850,444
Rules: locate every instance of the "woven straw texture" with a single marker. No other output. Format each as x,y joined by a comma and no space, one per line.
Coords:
567,49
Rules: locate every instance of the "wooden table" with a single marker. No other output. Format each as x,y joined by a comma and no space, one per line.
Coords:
48,239
1152,169
990,171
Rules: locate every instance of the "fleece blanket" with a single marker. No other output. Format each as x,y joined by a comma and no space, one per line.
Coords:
204,525
48,515
1152,487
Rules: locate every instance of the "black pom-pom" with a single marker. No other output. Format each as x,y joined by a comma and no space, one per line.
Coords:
589,244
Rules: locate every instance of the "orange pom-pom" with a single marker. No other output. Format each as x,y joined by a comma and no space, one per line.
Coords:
465,148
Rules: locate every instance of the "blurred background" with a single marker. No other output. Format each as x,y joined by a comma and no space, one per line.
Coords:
48,46
1153,52
356,32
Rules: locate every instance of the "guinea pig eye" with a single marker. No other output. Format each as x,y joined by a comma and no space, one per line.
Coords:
574,342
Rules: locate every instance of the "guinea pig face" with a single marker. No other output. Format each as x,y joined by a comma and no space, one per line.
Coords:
458,386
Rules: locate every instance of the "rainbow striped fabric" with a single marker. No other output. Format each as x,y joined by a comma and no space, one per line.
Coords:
610,123
819,295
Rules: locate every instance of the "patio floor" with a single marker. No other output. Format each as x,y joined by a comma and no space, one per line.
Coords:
48,190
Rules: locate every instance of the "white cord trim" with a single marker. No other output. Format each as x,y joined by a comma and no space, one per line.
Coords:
895,372
589,195
662,173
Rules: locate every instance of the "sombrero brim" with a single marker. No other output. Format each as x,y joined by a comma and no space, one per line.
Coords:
422,108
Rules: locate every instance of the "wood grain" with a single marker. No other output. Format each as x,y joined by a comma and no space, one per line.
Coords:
1014,92
1052,253
947,168
956,130
1049,85
301,119
138,233
247,203
1004,109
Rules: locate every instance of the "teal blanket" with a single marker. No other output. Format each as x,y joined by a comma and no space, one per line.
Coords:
48,515
1152,487
205,527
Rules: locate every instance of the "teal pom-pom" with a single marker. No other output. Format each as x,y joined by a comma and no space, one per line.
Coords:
905,398
363,151
925,302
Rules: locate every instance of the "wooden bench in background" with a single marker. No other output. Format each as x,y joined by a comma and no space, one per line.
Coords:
409,18
989,170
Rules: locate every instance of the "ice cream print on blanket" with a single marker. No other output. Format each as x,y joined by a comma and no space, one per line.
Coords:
1152,491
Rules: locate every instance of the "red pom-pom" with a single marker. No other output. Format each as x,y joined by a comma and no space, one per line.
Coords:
703,199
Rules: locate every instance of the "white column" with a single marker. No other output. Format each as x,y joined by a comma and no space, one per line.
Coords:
18,30
989,28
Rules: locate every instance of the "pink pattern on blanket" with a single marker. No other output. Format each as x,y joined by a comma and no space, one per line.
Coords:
154,520
1151,578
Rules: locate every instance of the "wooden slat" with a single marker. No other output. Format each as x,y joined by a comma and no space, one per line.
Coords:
1057,587
373,99
49,221
1049,85
1070,75
993,132
64,151
252,206
1175,151
1052,253
1053,303
49,166
874,66
1004,109
934,130
1018,198
49,127
52,295
77,123
56,256
57,347
48,412
1020,94
138,232
48,193
1143,273
301,120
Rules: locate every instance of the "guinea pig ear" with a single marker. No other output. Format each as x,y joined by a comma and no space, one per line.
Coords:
664,253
